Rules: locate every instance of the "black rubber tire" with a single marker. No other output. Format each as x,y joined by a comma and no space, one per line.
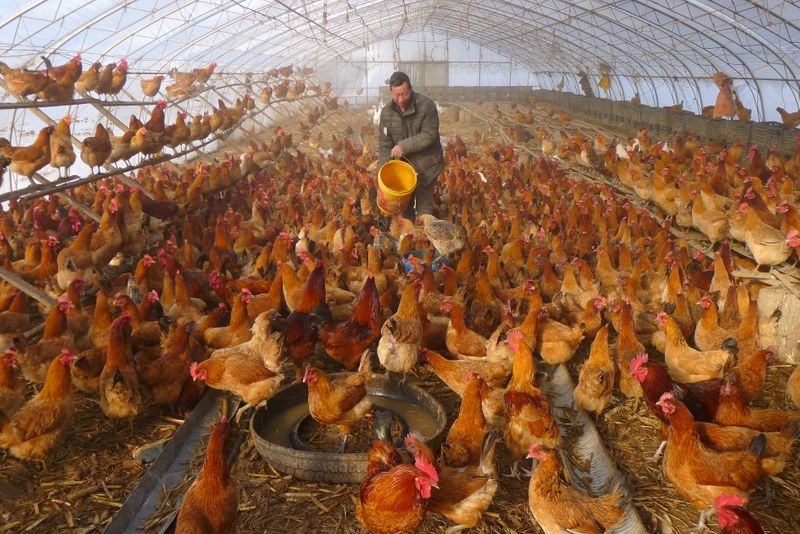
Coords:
346,468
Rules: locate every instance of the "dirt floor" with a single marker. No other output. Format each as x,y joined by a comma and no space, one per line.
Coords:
93,471
87,478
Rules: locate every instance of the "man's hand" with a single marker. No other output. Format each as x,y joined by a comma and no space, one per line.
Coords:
397,152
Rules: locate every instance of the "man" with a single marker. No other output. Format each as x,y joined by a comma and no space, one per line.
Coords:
409,128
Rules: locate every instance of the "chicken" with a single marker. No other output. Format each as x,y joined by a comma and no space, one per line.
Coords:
238,331
151,86
767,244
395,500
341,402
34,360
166,374
465,438
97,148
300,329
724,106
204,74
212,501
89,78
61,152
485,308
733,517
686,364
119,384
12,389
75,261
528,409
36,429
445,237
793,387
596,379
21,82
701,398
462,342
250,370
100,329
462,495
560,507
15,319
700,474
401,335
345,341
626,349
27,160
791,120
119,77
732,410
557,342
87,368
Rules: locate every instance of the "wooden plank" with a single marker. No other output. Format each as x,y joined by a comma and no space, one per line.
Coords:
15,280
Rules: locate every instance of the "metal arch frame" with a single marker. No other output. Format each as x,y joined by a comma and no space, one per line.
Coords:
708,35
665,76
374,10
146,21
608,19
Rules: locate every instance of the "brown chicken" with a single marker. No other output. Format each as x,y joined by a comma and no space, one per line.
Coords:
119,383
462,495
345,341
791,120
560,507
250,370
341,402
22,82
395,500
733,517
300,329
212,501
238,331
15,319
150,87
465,438
528,409
27,160
700,474
596,379
36,429
61,151
166,374
687,364
97,148
34,360
12,389
733,410
401,335
462,342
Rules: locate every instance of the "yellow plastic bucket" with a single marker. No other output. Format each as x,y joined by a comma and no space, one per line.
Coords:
397,181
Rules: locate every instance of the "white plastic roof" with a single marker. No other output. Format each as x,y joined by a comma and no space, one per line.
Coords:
666,50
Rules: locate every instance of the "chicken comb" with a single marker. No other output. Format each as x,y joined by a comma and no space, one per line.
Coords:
427,467
152,296
471,375
667,396
639,360
729,500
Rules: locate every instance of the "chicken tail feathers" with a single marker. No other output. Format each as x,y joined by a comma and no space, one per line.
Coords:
758,445
365,367
791,429
382,426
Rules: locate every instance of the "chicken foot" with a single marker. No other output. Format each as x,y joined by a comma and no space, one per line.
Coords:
344,442
515,471
701,524
657,456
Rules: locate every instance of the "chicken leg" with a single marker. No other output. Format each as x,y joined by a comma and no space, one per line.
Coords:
654,459
515,470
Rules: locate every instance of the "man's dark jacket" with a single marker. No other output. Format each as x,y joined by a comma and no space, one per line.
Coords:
417,132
